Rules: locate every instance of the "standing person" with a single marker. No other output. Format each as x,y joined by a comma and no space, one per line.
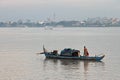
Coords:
86,51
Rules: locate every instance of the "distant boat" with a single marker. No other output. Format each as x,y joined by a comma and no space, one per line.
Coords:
69,53
48,28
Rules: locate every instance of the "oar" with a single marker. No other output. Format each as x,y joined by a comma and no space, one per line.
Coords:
40,53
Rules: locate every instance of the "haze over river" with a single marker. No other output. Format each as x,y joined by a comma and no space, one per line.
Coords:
19,61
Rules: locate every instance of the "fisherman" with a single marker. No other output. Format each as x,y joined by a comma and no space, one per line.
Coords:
86,51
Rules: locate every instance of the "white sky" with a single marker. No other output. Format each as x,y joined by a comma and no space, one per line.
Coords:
64,9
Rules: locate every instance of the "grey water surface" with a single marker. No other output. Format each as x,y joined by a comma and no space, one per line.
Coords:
19,61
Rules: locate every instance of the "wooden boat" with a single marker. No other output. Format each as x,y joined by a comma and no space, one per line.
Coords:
69,53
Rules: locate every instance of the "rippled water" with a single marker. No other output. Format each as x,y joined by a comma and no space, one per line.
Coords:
19,61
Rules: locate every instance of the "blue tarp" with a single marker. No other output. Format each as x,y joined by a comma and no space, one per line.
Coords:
68,51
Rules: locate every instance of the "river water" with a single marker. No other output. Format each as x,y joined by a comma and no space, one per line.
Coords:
19,61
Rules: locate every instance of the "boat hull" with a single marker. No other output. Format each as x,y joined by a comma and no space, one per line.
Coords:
92,58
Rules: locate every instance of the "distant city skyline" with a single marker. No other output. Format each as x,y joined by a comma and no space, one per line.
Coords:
63,9
90,22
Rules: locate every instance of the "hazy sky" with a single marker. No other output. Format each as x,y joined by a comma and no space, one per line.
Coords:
63,9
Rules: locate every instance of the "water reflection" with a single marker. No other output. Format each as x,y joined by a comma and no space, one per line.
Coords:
75,68
52,61
61,62
93,63
86,63
90,66
73,63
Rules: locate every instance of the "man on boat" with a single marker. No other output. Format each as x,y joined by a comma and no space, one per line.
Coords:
86,51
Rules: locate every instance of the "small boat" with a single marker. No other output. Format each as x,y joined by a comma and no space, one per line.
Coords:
48,28
69,53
